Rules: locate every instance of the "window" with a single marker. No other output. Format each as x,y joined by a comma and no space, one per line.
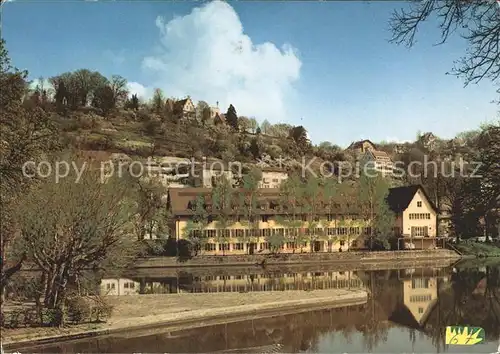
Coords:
223,246
290,245
419,231
265,218
238,232
419,283
342,243
209,233
354,243
420,310
264,246
210,247
238,246
275,180
420,298
419,204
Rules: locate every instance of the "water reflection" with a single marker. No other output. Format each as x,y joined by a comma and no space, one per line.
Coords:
407,311
231,283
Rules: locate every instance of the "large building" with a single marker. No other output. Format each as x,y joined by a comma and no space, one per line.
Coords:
272,177
329,230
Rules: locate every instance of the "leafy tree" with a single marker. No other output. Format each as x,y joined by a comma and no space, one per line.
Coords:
104,99
312,200
291,203
244,124
222,206
299,136
232,117
280,130
248,204
373,191
196,225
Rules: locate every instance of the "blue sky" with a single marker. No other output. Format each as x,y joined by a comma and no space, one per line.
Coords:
325,65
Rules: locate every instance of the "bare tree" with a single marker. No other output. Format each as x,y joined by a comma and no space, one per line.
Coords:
70,226
476,21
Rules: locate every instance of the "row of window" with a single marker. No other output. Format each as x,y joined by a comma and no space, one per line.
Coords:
210,247
419,231
241,233
420,216
420,298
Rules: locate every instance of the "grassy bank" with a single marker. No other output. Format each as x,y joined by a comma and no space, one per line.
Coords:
145,312
479,249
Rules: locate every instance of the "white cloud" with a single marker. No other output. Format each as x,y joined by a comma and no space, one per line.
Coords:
139,90
206,55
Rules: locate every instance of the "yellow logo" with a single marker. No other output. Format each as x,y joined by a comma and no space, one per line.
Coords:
457,335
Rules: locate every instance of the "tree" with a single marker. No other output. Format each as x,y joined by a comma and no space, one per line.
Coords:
132,103
244,124
299,136
26,134
91,231
232,117
118,86
253,125
222,207
196,225
312,200
477,21
152,213
291,203
158,101
280,130
200,112
265,127
373,191
104,99
248,205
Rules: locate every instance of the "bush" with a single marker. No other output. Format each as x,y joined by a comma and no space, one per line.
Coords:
78,310
102,311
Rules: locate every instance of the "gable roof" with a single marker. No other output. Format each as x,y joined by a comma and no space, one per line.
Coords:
358,144
180,104
400,197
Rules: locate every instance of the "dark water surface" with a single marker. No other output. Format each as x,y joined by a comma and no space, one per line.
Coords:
407,312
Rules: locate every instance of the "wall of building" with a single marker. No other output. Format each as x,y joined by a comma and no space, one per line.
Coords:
272,179
413,208
120,286
347,234
418,294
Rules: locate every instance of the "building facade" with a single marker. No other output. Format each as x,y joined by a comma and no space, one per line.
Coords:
326,231
379,161
272,177
416,216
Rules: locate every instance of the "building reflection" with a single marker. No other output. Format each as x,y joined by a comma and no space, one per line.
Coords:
233,283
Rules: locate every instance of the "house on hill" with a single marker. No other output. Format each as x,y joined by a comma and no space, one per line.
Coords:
416,216
272,177
379,161
185,108
360,147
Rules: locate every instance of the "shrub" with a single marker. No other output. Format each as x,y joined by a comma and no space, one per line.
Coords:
78,309
101,311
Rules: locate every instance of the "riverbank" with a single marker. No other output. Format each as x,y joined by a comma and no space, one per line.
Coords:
182,311
478,249
358,258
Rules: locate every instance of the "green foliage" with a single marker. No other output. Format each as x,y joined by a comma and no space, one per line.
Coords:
232,117
79,309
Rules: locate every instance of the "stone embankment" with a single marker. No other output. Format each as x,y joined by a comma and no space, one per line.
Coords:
355,259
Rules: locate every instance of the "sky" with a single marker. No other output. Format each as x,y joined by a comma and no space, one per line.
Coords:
325,65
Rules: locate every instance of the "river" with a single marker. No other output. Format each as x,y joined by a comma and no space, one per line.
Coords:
407,312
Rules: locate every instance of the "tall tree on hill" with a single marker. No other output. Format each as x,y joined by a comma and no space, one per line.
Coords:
299,136
248,205
132,103
104,99
232,117
158,101
265,127
118,86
